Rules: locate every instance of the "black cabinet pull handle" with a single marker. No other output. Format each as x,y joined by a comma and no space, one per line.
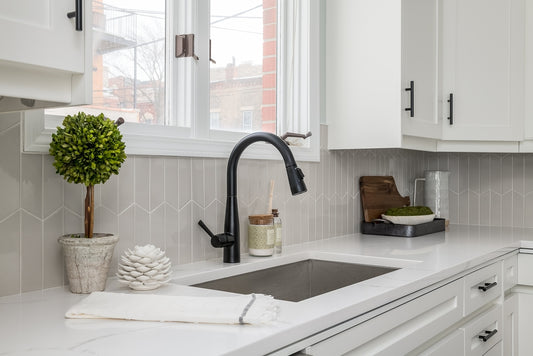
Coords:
487,286
78,14
450,100
488,334
411,89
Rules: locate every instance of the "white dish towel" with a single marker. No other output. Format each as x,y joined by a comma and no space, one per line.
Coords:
243,309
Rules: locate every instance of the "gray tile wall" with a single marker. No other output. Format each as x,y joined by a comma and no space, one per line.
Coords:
159,200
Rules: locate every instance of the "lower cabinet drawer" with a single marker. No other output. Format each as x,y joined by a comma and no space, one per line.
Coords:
399,330
497,350
483,332
453,344
482,286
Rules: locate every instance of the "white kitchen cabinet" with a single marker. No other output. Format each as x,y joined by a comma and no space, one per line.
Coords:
510,272
525,322
420,98
44,60
510,306
524,291
363,65
497,350
374,48
482,287
450,320
473,50
528,130
401,329
483,67
452,344
487,325
510,325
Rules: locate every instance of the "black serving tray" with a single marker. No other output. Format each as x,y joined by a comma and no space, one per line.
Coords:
390,229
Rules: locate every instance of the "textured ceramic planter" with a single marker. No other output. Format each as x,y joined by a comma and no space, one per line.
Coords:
87,261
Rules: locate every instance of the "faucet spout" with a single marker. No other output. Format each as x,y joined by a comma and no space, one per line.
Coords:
231,223
294,174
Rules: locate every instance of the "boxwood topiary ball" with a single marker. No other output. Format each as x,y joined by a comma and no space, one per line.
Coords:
88,149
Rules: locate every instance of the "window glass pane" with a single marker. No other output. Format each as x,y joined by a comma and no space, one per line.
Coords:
247,120
128,61
243,34
215,119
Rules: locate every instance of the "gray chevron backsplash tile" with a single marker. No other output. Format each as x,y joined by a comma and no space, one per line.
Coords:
159,200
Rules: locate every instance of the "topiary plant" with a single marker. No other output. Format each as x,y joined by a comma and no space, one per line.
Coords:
88,149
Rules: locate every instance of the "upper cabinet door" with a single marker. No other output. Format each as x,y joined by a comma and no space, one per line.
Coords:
483,67
420,68
363,73
529,72
44,60
38,32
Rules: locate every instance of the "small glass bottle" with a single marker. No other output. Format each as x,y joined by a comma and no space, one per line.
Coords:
261,235
279,230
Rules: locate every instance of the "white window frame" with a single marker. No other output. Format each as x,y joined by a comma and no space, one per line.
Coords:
297,92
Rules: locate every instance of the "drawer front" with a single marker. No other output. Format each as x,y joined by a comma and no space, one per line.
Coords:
487,325
497,350
399,330
453,344
510,272
482,286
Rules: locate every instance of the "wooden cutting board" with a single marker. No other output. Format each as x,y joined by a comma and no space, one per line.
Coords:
379,193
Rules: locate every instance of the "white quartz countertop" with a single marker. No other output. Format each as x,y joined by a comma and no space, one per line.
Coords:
34,324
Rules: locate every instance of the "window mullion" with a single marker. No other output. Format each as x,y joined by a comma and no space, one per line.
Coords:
183,70
298,57
170,31
201,85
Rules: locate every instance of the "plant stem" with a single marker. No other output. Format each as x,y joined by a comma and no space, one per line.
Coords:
89,211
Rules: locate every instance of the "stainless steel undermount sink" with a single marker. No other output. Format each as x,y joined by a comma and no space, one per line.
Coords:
299,280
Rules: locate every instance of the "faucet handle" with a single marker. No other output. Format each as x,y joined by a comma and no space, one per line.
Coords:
286,135
219,240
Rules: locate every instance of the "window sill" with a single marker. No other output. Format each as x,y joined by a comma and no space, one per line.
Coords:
37,135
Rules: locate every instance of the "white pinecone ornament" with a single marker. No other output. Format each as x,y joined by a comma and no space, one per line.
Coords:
144,268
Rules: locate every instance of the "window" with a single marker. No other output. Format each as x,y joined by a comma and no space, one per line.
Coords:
128,62
247,118
259,79
244,42
214,119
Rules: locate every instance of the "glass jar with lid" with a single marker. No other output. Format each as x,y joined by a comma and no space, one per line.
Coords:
261,235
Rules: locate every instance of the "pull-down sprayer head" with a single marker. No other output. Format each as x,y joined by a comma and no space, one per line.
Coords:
296,180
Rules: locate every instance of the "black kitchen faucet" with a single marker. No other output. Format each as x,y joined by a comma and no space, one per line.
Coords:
230,238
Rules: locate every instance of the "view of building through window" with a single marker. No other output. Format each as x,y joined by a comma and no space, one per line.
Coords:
129,63
243,35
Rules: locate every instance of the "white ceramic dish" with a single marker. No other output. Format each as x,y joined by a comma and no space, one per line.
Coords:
409,220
